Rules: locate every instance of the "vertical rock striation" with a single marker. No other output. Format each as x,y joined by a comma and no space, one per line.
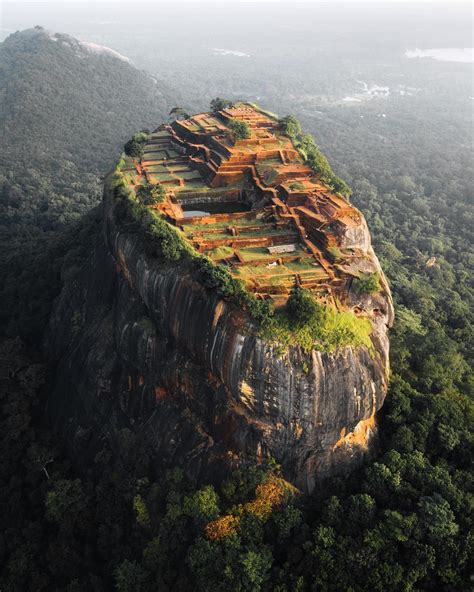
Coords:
144,346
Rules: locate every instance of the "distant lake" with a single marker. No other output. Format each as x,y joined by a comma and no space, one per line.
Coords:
444,54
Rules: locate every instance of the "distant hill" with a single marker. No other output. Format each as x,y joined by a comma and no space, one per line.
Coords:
65,108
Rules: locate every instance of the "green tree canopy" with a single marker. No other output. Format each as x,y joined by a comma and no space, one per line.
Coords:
367,283
150,195
240,130
301,306
135,146
219,103
290,126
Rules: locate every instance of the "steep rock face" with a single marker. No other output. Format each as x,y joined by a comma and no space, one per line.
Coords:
144,346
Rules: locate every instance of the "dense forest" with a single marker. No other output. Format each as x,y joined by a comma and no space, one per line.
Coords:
401,523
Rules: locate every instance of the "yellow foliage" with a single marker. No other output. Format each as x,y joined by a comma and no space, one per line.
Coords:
222,527
268,495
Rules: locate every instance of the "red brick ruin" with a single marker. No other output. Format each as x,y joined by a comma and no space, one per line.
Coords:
252,205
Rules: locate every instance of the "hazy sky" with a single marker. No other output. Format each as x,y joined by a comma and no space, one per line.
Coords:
233,1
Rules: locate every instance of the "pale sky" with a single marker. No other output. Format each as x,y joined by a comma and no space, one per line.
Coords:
238,1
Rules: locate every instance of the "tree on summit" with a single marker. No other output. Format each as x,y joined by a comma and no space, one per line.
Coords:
135,146
301,306
177,112
240,130
150,195
290,126
218,104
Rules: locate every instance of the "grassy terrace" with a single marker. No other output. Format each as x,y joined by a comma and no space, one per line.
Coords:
304,266
195,185
239,222
260,268
261,253
255,265
300,261
277,273
221,232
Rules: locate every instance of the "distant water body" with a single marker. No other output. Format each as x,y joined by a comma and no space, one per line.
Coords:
444,54
227,52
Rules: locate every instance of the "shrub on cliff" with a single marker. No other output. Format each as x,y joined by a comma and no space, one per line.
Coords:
216,277
310,325
312,155
163,241
134,147
150,195
290,126
320,165
367,283
262,311
301,306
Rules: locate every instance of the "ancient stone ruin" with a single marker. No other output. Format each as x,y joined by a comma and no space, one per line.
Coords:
253,205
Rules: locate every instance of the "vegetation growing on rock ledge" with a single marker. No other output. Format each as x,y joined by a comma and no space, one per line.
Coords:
150,195
367,283
134,147
307,323
312,155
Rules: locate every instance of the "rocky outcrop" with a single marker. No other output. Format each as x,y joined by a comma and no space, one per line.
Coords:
143,345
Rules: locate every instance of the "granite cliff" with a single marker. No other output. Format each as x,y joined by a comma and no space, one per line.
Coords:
141,343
